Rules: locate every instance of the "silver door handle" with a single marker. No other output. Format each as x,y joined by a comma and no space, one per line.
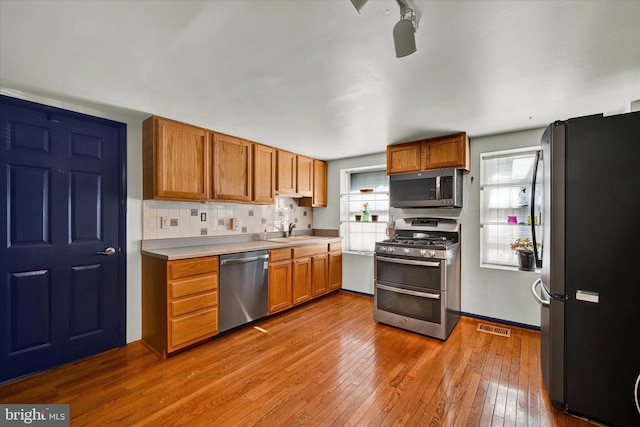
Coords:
243,260
534,290
408,261
108,252
408,292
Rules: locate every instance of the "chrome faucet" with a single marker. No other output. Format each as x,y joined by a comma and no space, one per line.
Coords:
291,227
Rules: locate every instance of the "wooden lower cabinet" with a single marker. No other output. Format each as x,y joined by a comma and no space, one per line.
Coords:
301,283
301,273
179,302
280,290
335,266
319,274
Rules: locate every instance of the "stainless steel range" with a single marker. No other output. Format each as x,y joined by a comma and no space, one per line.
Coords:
417,276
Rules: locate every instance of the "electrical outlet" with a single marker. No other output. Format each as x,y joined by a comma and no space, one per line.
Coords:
165,222
244,229
250,212
203,231
174,222
221,221
194,212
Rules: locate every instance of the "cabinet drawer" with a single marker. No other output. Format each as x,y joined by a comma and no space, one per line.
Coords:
309,250
189,328
279,254
194,303
192,267
192,285
335,247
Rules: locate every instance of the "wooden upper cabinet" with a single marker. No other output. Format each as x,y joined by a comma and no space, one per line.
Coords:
446,152
304,172
403,158
232,168
319,183
434,153
175,160
264,174
286,172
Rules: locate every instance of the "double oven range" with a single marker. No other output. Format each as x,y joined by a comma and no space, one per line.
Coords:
417,276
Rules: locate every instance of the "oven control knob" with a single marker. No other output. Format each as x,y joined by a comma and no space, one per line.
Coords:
382,248
426,253
407,251
390,250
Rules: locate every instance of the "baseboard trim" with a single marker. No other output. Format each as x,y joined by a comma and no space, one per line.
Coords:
356,292
501,321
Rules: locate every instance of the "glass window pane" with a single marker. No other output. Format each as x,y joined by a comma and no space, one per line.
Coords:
505,212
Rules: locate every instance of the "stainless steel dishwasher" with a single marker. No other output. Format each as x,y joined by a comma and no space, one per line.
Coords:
243,288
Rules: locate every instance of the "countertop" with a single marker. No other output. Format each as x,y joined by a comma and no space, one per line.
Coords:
196,250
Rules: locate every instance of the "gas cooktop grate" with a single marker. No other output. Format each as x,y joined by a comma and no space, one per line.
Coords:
495,330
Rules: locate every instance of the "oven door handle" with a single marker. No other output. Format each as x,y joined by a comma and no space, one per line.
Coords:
409,261
408,292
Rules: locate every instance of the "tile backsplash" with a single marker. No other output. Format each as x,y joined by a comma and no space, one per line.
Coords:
165,220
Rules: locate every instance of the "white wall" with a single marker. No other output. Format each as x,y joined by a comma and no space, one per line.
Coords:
357,270
499,294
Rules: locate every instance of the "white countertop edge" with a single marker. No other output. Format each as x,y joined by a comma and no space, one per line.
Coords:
185,252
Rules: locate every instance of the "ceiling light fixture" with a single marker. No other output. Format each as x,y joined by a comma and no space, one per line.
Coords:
359,4
404,32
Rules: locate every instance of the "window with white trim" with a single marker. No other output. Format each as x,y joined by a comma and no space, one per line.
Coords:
505,210
364,208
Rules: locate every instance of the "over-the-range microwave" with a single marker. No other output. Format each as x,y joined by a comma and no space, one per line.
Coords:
426,189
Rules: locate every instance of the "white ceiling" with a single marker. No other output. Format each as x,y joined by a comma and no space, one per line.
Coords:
316,77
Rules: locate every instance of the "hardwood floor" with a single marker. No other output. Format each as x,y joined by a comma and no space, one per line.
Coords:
324,363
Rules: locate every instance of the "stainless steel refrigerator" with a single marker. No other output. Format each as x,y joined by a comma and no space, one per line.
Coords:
589,289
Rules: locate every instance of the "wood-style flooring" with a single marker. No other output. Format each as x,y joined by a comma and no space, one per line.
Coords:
326,363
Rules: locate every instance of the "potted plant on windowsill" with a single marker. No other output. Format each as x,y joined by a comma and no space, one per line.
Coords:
524,248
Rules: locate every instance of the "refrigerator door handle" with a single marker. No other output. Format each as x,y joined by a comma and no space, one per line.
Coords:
534,290
532,204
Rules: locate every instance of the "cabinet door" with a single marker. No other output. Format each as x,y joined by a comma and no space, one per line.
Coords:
280,291
319,272
264,174
403,158
304,171
319,183
192,328
335,270
285,172
232,166
446,152
176,161
301,279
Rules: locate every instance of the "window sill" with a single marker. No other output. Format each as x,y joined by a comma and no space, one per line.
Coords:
507,268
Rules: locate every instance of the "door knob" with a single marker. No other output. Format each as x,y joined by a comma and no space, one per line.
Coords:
109,251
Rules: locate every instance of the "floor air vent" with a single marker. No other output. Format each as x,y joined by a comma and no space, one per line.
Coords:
495,330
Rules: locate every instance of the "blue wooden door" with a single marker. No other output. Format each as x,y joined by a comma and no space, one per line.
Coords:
61,208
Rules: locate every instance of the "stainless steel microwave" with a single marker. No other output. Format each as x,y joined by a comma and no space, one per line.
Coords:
427,189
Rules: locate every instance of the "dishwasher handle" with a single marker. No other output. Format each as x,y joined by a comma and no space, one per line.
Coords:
243,260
